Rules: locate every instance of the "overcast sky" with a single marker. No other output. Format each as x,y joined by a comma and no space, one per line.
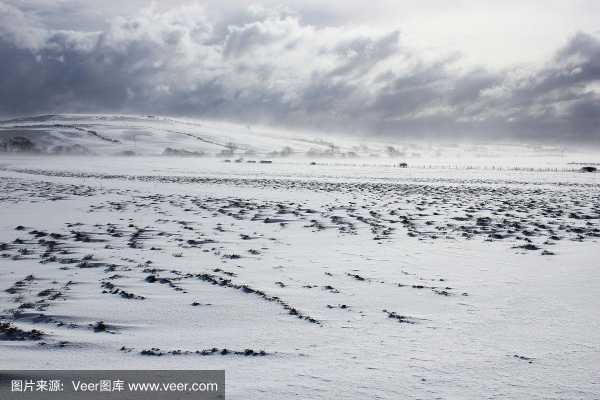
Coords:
500,70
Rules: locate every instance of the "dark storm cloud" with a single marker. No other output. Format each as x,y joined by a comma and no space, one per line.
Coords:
268,66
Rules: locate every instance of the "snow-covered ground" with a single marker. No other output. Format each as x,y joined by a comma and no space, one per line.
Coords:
347,279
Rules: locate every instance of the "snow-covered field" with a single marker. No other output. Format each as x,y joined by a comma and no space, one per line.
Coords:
454,278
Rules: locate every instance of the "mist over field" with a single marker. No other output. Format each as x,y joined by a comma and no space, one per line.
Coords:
327,200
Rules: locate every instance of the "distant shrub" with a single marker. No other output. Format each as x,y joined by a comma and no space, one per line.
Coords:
182,153
18,144
391,151
75,149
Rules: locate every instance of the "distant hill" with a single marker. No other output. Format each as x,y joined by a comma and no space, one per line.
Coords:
147,135
150,135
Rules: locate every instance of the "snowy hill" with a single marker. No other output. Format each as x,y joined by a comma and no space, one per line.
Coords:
150,135
139,135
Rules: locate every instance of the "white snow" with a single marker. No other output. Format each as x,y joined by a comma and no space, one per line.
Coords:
481,317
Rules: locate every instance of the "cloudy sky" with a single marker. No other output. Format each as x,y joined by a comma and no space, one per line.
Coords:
481,70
